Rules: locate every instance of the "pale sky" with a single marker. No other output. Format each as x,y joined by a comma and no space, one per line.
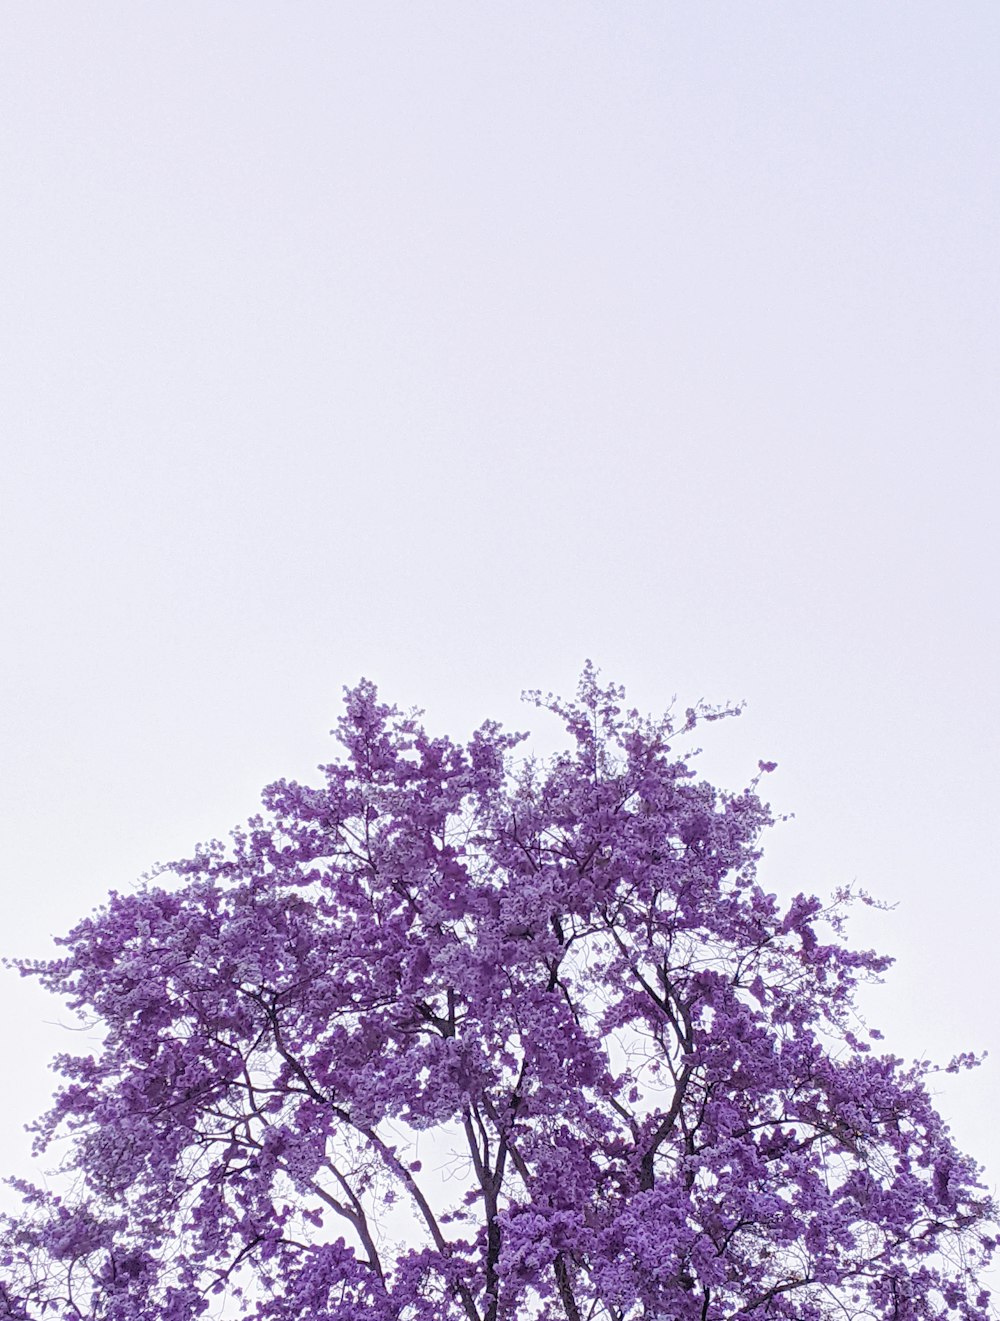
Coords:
453,343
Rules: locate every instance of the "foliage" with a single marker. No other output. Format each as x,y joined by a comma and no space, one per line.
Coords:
461,1035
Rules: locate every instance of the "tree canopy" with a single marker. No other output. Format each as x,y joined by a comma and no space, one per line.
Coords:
463,1034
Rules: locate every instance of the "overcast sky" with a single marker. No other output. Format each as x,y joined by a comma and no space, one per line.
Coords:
453,343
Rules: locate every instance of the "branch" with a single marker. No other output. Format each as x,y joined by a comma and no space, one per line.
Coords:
356,1216
663,1129
565,1288
440,1242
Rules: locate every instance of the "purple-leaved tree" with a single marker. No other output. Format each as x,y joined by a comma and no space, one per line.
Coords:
462,1035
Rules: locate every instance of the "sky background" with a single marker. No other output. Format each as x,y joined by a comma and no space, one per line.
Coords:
451,344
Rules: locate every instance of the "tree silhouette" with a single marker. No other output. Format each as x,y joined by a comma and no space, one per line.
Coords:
464,1035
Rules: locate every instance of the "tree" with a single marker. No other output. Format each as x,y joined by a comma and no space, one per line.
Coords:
648,1082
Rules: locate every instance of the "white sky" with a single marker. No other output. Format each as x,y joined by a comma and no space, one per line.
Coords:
453,343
